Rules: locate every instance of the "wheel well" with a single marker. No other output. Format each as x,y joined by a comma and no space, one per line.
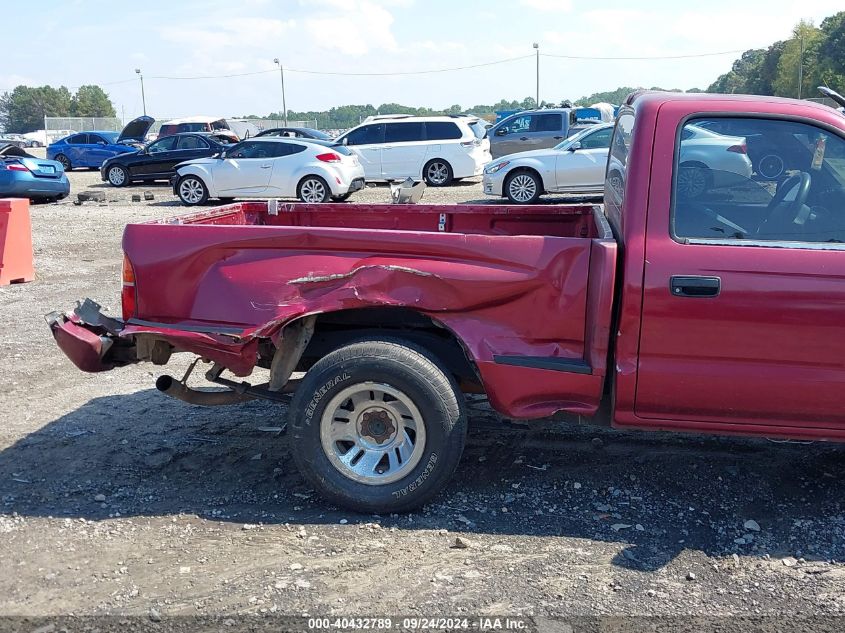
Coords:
336,329
521,170
306,177
437,159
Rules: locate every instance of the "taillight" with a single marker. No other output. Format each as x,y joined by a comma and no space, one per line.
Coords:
472,143
127,293
742,148
16,167
329,157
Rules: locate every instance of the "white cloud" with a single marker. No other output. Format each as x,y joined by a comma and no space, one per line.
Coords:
353,27
560,6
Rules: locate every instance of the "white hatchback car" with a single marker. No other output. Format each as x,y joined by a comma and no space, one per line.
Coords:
311,170
438,149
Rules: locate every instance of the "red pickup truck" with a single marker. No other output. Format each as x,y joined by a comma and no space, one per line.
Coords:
706,295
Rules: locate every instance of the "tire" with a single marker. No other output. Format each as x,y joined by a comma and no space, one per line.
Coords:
693,180
523,187
118,176
437,173
341,198
192,190
421,410
65,161
313,189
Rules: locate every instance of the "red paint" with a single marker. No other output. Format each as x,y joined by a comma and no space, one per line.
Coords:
765,357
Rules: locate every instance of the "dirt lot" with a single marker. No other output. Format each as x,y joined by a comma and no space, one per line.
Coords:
116,499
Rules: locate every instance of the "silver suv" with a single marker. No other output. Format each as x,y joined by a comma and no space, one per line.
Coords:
530,129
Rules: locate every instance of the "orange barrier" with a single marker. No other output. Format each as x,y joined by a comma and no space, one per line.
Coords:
15,242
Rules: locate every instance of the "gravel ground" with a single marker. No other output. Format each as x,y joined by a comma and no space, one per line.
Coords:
117,500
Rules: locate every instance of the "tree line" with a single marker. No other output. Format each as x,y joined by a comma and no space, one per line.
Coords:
24,108
813,56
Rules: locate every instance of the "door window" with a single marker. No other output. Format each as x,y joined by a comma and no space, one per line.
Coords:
257,149
162,145
442,131
548,123
96,139
723,187
192,142
403,132
78,139
366,135
520,124
278,150
597,140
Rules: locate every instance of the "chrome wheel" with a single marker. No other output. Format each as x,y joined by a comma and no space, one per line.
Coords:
117,176
438,173
191,191
522,188
372,433
771,166
312,190
692,181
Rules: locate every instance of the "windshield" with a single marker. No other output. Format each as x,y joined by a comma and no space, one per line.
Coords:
111,137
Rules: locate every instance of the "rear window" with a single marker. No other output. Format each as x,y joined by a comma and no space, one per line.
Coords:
442,131
167,130
218,125
403,132
479,129
195,127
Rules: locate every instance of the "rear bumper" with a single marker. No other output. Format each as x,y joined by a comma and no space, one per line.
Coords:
34,187
90,339
356,185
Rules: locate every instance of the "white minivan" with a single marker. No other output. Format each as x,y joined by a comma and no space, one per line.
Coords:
439,149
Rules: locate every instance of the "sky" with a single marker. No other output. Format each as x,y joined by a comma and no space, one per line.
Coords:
76,42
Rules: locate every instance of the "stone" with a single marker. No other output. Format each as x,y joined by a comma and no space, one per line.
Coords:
148,195
155,616
752,525
100,498
461,543
691,576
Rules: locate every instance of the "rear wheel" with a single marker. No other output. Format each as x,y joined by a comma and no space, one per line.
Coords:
118,176
523,187
437,173
192,191
65,162
377,426
313,189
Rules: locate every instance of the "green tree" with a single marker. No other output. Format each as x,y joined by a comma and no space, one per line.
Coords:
92,101
802,50
24,108
831,52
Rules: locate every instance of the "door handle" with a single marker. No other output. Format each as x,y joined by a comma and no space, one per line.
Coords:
266,166
695,286
557,138
523,138
387,146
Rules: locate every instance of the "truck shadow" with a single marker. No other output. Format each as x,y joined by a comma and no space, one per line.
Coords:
658,494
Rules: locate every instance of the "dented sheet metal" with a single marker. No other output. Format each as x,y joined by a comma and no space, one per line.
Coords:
512,295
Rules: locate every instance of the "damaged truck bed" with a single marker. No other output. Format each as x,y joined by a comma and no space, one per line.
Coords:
522,289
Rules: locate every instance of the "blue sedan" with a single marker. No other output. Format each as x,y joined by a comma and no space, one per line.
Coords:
91,149
25,176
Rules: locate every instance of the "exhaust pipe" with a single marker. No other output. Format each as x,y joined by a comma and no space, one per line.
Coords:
168,385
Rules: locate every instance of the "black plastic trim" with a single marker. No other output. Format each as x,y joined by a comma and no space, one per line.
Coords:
553,363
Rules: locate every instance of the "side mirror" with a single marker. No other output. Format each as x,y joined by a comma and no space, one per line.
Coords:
345,141
575,146
501,131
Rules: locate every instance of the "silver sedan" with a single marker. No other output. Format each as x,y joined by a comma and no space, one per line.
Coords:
576,167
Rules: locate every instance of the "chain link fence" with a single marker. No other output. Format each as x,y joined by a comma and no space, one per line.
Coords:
58,127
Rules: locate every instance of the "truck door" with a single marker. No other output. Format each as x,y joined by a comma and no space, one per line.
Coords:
743,317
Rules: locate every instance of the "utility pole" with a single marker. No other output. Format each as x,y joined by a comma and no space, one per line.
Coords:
800,63
143,97
537,50
282,75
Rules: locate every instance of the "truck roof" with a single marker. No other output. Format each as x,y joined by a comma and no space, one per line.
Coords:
641,97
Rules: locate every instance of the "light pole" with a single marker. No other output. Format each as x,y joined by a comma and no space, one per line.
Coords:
143,98
282,75
537,49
